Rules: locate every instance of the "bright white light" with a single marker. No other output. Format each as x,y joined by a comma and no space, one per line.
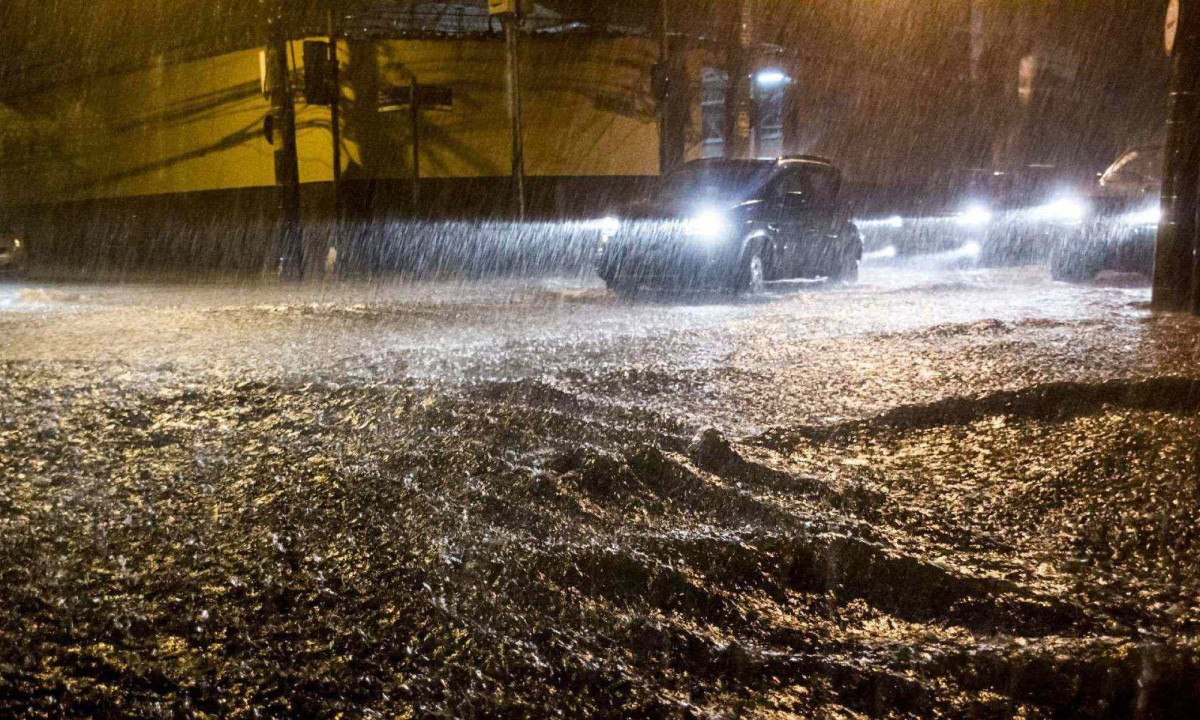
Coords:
1148,217
17,243
609,226
1069,210
708,225
975,215
971,250
770,78
894,221
884,254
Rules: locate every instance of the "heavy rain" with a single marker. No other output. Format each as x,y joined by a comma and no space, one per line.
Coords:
719,359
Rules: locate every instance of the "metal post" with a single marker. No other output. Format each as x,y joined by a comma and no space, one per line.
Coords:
755,118
512,29
414,117
738,104
672,93
287,165
1174,257
335,111
665,72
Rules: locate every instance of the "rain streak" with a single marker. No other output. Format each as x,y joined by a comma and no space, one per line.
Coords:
723,359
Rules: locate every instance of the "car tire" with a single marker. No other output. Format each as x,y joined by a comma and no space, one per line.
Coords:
1075,264
991,254
751,272
624,290
846,272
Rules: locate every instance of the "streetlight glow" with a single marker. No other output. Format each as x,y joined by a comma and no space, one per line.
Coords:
771,78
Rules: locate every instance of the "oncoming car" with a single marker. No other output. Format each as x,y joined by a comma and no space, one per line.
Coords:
733,225
987,217
1122,227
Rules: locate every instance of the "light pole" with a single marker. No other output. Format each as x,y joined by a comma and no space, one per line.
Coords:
511,16
739,114
1176,275
335,124
287,165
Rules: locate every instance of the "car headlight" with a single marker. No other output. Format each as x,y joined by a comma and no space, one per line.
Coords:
976,215
1148,217
708,225
1067,210
894,221
608,227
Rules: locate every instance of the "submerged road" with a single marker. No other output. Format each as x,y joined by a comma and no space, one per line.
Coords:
940,491
802,352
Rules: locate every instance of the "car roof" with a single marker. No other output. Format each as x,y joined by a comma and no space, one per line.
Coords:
732,162
762,162
808,159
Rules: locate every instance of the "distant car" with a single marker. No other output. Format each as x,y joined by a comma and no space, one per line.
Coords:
12,255
733,225
1122,226
988,217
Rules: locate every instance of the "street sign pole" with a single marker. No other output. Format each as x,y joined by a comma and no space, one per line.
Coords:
1175,270
417,98
512,31
287,165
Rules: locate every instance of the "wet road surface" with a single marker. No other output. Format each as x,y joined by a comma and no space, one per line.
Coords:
939,492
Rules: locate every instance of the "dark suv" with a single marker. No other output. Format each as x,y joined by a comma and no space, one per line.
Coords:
733,225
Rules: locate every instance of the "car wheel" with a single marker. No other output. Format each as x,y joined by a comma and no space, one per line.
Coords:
623,289
1075,264
991,255
846,273
751,278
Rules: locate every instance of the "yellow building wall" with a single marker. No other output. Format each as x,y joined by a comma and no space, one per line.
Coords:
197,126
587,108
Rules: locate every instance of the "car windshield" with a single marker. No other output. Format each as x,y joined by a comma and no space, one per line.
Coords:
1136,168
1013,186
725,182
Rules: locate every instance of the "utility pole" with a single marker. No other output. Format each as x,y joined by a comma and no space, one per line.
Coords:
738,102
512,32
663,79
1176,276
335,124
670,92
414,119
287,165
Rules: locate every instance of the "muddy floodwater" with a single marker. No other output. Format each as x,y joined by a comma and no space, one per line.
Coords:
940,493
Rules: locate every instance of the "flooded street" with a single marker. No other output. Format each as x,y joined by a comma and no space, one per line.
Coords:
803,352
941,492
